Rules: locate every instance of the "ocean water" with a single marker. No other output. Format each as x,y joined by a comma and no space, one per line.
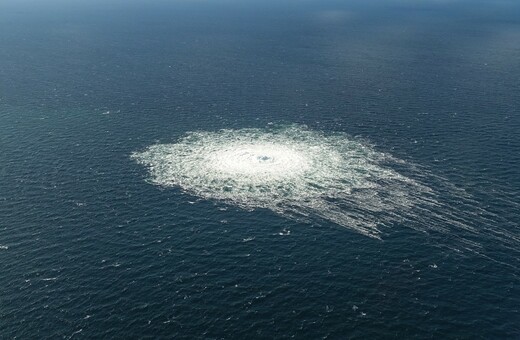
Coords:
314,169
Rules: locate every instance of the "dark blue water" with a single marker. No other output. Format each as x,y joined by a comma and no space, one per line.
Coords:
90,249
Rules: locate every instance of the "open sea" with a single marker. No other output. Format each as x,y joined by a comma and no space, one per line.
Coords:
260,169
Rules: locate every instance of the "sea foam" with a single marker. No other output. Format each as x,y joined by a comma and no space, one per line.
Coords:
293,171
309,175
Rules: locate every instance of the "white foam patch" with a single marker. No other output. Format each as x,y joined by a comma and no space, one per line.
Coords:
292,171
304,174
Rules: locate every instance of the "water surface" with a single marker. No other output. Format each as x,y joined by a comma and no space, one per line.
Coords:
90,247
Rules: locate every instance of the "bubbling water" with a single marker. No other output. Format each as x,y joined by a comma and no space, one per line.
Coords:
292,171
308,175
259,162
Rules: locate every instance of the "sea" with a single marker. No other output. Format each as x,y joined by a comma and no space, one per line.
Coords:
248,230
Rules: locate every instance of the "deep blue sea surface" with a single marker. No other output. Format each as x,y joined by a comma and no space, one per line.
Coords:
90,247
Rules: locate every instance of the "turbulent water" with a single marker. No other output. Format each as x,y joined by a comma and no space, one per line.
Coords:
303,174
